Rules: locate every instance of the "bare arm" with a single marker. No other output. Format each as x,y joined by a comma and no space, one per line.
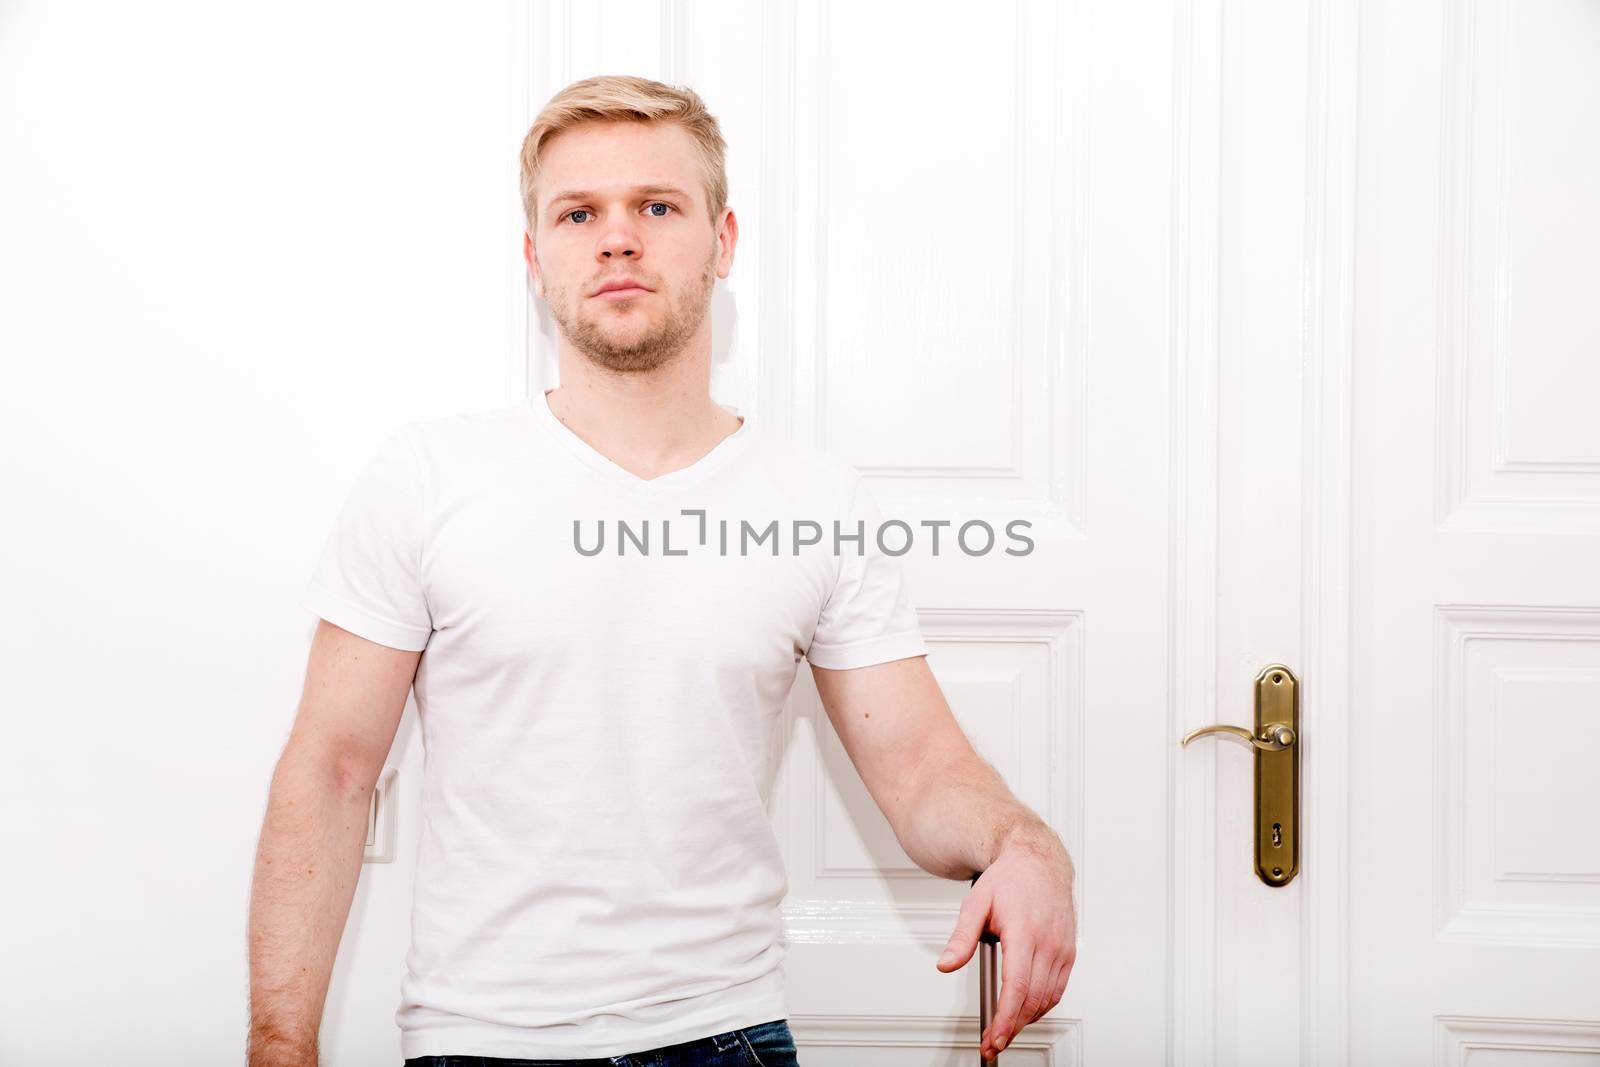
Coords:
963,815
950,810
308,858
955,817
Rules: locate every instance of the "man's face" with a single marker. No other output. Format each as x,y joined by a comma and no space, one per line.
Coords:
641,215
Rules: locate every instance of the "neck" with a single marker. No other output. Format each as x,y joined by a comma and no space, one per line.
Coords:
651,419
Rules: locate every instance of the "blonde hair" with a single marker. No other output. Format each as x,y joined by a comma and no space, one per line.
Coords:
623,98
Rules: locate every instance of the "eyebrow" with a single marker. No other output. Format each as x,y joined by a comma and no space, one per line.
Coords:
637,190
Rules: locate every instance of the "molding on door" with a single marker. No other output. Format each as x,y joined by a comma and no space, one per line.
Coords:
1196,175
1040,345
1328,356
547,46
837,1039
1457,1037
1480,485
1487,659
519,303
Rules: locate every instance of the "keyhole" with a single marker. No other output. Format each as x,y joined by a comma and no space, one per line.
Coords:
1277,835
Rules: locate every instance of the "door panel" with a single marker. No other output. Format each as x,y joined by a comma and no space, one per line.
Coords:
1475,874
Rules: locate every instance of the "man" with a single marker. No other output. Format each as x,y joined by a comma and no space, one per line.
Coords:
613,586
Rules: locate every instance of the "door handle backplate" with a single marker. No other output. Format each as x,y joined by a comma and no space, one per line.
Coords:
1276,742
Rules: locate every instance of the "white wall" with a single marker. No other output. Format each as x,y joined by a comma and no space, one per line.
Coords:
238,244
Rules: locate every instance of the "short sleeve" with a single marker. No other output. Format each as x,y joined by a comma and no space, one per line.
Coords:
368,578
869,617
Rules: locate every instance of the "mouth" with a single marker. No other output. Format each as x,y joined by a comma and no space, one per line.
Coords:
621,294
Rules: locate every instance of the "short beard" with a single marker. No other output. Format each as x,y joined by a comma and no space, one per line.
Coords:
650,351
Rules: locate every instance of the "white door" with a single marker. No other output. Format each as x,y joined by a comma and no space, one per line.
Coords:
1408,515
1474,811
1273,319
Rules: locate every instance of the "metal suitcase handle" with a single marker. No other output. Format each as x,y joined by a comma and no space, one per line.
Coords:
988,982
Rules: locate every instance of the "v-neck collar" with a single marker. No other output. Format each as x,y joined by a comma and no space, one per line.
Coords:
591,457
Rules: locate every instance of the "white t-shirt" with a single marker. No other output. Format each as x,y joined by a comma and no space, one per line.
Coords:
597,873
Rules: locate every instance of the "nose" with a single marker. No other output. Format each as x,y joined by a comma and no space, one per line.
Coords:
619,242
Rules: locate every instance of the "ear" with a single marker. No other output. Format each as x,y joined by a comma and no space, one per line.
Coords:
727,238
532,260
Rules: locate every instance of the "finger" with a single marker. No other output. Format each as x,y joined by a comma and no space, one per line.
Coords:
1058,982
1016,963
1067,963
1040,985
969,924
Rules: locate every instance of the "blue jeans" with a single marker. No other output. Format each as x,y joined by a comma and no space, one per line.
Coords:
763,1045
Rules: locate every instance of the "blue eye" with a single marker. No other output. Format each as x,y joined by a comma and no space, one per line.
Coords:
653,204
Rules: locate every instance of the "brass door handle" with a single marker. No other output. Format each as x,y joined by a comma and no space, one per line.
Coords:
1275,742
1275,737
